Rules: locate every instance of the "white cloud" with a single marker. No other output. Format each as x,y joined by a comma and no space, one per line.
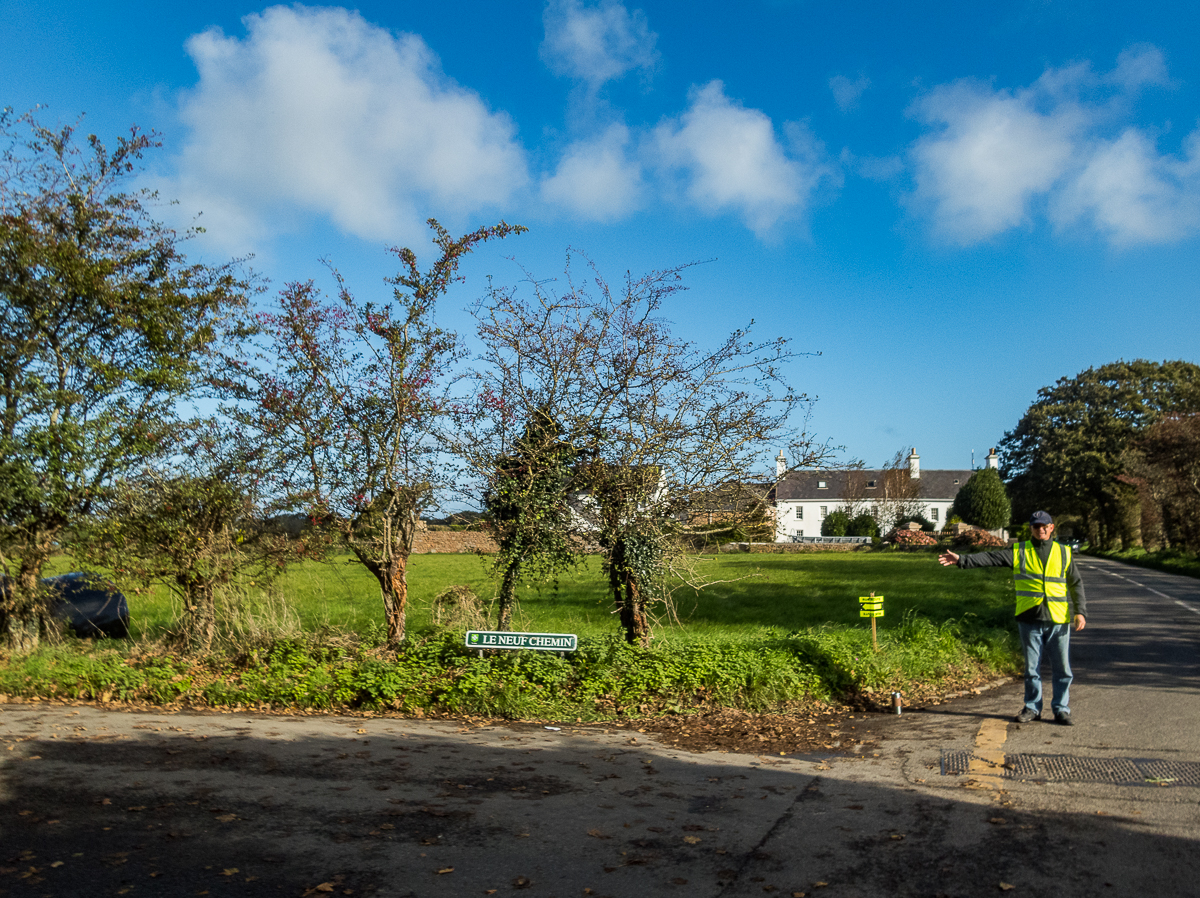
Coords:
596,179
1131,194
596,43
727,158
318,111
993,154
998,159
846,93
1139,66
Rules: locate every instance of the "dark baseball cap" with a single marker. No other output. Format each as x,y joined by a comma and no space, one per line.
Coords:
1040,517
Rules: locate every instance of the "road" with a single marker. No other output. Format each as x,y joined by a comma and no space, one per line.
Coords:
952,800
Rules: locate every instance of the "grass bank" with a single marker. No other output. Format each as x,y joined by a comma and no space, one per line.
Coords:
775,630
1173,561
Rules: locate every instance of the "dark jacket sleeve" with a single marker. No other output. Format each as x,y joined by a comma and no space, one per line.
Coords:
997,558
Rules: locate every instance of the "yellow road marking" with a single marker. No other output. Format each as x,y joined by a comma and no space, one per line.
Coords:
987,761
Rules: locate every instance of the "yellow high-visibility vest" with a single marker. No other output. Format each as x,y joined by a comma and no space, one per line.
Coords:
1035,585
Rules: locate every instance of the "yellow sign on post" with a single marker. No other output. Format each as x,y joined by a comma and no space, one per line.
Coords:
871,606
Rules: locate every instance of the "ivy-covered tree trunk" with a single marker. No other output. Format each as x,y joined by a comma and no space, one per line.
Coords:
634,621
507,598
23,614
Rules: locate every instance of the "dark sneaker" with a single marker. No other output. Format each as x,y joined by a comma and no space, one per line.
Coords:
1026,715
1064,718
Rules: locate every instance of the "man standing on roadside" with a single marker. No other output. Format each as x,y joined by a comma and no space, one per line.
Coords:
1043,573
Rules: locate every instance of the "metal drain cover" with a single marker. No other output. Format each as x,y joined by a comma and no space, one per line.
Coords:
1069,769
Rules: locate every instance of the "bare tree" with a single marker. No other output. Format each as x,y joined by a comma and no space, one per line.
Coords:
899,492
354,407
664,428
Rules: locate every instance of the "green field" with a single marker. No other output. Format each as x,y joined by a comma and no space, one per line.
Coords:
768,631
784,593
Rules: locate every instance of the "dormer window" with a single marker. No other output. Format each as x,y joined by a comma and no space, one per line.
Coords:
870,484
822,485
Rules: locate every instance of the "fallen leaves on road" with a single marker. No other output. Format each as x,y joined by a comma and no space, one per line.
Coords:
1006,886
522,882
445,870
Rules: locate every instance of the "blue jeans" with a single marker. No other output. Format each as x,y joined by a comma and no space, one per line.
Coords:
1053,640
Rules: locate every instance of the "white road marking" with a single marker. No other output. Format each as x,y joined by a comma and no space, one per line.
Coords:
1179,602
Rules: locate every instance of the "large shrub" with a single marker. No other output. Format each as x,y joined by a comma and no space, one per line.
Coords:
863,525
836,523
983,501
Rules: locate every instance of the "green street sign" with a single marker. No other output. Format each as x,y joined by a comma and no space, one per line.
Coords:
863,600
538,642
870,613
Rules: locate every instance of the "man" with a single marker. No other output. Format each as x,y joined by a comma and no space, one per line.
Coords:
1043,574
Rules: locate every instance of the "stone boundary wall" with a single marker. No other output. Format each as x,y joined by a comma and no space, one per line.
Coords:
449,542
791,548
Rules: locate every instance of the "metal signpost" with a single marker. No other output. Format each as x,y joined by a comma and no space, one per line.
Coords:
505,639
871,606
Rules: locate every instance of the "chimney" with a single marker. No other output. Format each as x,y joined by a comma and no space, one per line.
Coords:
993,460
914,465
780,464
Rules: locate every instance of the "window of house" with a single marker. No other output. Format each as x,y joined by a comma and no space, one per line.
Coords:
799,512
933,514
824,510
870,484
822,485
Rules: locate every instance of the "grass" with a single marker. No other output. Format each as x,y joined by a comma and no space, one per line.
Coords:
753,593
1173,561
774,629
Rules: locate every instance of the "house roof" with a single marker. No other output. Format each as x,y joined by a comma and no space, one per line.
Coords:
805,485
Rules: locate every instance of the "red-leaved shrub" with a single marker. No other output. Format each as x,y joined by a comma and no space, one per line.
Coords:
910,538
979,539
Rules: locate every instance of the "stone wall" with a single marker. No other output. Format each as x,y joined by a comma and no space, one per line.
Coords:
449,542
791,548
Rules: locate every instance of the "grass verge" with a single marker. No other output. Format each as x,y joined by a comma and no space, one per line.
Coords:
777,630
1173,561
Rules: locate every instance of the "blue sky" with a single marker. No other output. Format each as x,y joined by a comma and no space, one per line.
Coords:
954,204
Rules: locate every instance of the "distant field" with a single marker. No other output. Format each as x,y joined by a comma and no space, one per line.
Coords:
785,593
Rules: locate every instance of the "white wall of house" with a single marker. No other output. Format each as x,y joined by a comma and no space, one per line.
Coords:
804,517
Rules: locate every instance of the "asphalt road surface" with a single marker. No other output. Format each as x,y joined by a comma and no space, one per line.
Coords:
952,800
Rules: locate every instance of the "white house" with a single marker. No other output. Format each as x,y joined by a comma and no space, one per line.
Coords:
804,498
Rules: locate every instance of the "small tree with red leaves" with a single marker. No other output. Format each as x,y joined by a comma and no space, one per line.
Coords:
353,405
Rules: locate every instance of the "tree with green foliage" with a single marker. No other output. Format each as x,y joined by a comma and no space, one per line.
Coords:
982,501
1066,454
353,403
836,523
194,524
527,506
104,326
1163,464
863,525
